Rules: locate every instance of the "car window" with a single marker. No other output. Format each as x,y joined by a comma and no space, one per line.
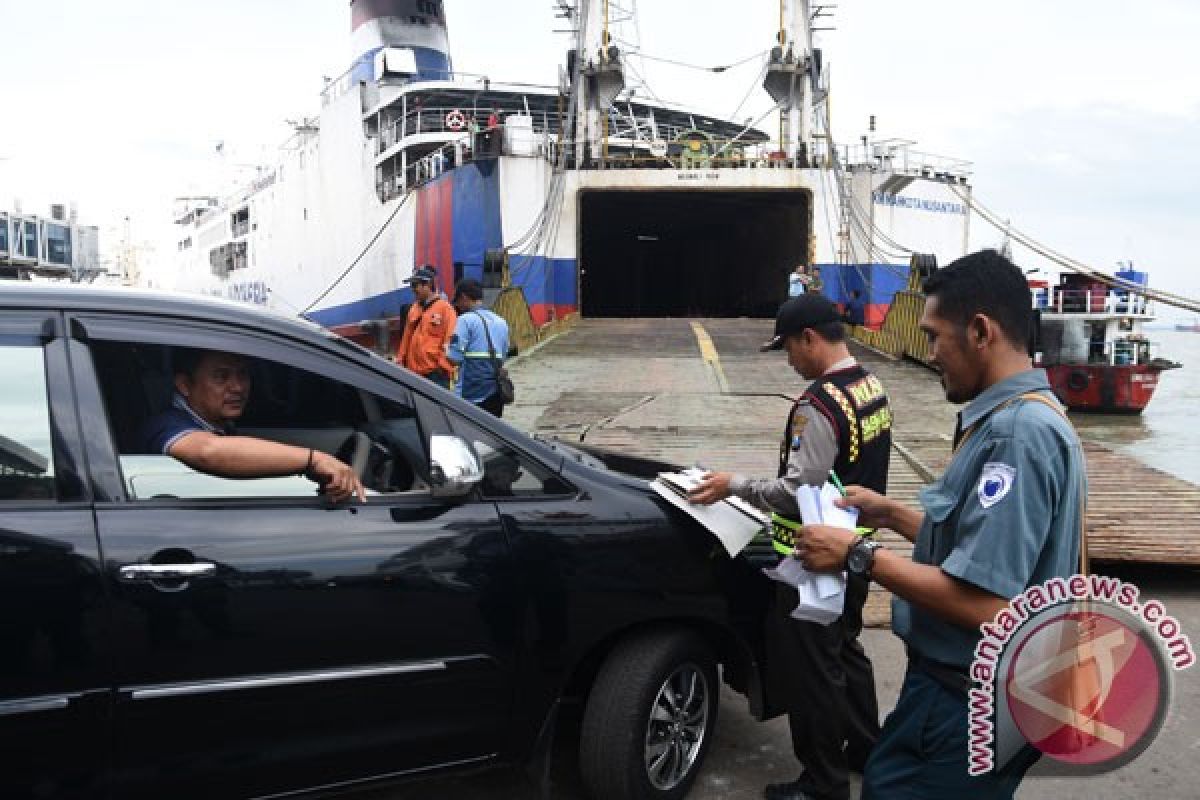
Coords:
507,471
378,436
26,456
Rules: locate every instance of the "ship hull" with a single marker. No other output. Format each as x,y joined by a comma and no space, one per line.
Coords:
1103,388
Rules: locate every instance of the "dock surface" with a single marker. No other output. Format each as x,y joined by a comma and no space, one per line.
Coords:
699,392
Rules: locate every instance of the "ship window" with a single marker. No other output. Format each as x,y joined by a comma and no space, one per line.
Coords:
228,257
27,243
3,234
58,244
240,222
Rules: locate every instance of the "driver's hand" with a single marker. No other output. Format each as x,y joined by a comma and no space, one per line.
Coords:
336,479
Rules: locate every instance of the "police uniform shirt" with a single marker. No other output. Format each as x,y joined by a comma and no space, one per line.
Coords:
813,449
1006,513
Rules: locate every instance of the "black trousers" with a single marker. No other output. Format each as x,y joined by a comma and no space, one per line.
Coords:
830,691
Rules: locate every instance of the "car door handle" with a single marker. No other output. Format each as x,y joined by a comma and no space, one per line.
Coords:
142,573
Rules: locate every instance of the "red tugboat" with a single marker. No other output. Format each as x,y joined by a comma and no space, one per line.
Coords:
1092,345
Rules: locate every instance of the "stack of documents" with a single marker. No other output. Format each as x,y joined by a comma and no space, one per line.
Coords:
822,596
733,521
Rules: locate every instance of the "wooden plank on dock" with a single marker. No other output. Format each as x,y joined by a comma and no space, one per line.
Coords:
1138,513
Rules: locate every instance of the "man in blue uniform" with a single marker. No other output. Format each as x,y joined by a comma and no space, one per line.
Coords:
478,347
1005,515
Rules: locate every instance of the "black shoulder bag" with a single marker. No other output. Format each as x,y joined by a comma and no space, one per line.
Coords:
504,384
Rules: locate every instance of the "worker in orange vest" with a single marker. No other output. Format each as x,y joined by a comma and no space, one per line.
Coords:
427,330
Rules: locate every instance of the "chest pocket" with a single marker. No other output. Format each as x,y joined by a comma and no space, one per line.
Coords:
933,542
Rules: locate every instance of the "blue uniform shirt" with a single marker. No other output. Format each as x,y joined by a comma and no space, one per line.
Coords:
469,348
165,429
1006,513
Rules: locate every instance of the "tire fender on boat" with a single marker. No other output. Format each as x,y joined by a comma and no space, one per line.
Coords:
1078,380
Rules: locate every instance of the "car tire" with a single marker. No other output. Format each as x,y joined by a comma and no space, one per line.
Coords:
649,718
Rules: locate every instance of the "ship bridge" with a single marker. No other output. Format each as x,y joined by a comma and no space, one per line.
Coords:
422,128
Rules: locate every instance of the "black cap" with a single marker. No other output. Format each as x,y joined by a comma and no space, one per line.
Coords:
425,274
470,287
805,311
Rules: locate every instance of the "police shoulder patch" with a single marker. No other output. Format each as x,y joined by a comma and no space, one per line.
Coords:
995,481
796,435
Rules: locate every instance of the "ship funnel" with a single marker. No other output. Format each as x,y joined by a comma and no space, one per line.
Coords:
400,29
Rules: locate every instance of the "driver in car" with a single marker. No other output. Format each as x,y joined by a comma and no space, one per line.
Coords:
211,392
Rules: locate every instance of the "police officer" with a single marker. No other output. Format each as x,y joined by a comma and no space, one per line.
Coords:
842,422
1005,515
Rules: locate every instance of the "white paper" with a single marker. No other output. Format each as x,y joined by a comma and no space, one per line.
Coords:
733,521
822,596
817,507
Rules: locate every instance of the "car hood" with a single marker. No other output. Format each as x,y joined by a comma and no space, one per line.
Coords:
633,470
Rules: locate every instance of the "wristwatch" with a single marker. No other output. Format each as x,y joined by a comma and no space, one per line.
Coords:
861,556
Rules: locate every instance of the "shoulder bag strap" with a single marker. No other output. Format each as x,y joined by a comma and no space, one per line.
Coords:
491,348
1083,548
1084,561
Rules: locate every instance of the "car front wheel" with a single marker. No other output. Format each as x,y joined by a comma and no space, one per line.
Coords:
649,718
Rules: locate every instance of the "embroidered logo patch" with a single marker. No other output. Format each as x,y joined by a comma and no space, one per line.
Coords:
799,423
994,483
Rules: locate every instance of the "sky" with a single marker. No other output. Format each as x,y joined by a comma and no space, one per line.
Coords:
1081,118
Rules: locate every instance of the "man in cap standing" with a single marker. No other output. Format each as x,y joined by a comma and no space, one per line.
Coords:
841,423
427,330
479,345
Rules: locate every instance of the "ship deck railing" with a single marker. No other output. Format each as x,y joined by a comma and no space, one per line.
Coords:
1096,300
897,156
624,127
1127,352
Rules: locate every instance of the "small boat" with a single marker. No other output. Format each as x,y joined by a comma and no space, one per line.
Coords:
1092,345
1189,327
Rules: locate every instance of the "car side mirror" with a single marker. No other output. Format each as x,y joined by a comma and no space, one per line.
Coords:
453,468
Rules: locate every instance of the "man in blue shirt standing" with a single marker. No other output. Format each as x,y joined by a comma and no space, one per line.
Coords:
478,346
1005,515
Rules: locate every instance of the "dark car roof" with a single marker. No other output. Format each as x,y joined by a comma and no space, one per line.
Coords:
124,300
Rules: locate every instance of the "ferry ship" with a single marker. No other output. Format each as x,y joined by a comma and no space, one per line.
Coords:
1092,343
572,198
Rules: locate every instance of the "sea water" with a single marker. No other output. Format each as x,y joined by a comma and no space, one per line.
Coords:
1167,434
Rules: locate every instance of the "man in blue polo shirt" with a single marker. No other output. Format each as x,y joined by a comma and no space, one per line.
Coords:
479,345
211,392
1005,515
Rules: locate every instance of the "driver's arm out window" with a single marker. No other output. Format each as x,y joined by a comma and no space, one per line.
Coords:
378,436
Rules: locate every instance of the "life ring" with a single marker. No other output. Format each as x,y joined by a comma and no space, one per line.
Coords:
456,120
1078,380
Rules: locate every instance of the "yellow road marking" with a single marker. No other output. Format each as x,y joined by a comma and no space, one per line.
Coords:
709,353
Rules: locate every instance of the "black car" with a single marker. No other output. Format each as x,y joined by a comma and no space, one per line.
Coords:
165,633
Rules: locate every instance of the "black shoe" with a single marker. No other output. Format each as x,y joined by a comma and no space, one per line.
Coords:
787,791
